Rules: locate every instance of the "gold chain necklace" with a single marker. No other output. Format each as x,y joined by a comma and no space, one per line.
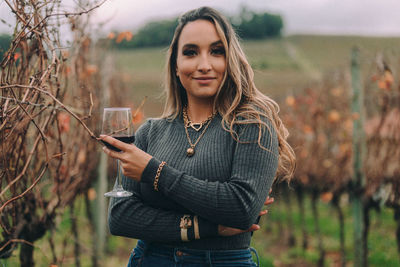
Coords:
188,123
195,125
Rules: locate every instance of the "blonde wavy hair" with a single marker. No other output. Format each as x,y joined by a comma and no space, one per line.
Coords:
237,96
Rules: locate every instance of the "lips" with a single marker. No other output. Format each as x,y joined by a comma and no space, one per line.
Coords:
204,80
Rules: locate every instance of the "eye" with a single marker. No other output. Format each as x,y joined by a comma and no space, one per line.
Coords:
220,51
189,52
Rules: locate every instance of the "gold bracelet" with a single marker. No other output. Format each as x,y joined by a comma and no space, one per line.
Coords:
196,227
160,167
184,235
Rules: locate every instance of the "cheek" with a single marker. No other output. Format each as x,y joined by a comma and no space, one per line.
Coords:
220,65
185,67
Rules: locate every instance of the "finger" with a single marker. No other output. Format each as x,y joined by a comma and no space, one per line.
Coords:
113,154
263,212
124,168
114,142
270,191
269,201
253,228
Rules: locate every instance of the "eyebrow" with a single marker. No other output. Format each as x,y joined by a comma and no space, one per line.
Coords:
216,43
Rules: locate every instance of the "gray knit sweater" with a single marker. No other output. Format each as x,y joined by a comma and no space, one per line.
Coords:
226,182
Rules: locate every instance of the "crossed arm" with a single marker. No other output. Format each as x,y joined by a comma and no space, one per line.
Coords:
236,211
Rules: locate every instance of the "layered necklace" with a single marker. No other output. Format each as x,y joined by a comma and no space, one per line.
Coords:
195,126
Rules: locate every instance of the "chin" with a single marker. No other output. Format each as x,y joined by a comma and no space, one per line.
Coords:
207,93
207,96
203,93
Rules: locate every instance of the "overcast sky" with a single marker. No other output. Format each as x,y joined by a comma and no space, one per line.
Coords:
361,17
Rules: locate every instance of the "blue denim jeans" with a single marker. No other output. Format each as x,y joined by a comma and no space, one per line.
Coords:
148,255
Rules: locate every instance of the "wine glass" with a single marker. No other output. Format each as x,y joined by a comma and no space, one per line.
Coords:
117,122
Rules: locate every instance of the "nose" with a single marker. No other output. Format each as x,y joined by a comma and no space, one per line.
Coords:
204,64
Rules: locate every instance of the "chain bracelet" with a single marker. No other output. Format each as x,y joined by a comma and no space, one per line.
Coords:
160,167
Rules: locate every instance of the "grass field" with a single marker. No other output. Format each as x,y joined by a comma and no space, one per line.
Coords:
282,66
272,243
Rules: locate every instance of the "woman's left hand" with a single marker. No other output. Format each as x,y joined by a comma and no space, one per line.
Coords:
133,160
268,201
229,231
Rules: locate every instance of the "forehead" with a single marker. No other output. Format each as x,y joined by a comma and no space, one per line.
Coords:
198,32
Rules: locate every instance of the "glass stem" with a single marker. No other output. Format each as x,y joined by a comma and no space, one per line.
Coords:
119,174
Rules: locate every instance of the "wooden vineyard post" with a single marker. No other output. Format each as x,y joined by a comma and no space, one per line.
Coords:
102,182
101,209
358,179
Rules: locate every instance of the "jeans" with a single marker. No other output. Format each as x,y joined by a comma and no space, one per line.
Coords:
148,255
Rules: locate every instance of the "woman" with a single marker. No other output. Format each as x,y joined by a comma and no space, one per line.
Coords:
200,173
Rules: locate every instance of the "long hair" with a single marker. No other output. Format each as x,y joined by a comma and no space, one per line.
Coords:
237,96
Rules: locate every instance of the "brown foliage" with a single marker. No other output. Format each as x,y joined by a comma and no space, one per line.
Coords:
320,121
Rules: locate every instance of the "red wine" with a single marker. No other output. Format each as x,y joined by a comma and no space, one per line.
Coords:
125,139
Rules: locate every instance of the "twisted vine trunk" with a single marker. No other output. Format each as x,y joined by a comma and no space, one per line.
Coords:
368,205
33,230
336,204
26,255
300,200
291,239
89,215
75,233
397,219
314,199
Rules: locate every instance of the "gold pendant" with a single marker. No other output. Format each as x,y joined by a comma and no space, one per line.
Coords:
190,151
193,125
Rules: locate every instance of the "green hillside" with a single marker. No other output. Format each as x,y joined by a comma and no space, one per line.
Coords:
281,66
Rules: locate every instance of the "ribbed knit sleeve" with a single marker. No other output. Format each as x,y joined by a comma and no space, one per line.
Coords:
237,201
131,217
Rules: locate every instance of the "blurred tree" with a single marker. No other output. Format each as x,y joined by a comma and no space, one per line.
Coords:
248,24
156,33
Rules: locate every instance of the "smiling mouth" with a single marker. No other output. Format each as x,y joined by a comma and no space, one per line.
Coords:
204,78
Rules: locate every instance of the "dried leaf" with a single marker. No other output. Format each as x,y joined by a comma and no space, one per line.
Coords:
128,36
91,69
326,197
120,37
333,116
307,129
290,101
64,120
81,159
111,35
92,194
17,56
